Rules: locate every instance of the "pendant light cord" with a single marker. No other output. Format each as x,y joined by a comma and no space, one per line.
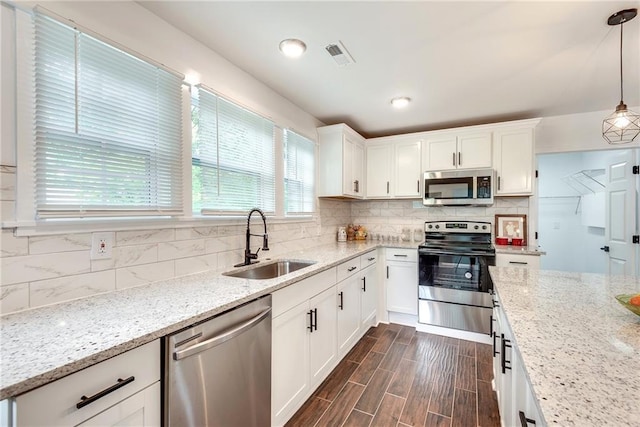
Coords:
621,95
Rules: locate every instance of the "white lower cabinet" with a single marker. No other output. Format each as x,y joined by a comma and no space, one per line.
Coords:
315,323
516,400
303,342
121,391
402,280
348,313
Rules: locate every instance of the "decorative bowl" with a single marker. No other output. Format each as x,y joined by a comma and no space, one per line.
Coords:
624,300
502,241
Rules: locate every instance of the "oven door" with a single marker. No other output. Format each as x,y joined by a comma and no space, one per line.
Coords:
456,271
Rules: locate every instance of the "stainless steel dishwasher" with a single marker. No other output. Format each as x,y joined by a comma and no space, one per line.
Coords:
218,372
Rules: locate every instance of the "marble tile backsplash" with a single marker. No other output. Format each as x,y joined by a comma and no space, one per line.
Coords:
42,270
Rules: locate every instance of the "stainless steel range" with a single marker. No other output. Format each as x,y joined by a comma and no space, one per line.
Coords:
454,282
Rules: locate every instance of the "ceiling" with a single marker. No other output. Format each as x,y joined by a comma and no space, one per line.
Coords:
461,63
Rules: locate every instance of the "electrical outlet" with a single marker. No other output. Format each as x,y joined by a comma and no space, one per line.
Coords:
101,245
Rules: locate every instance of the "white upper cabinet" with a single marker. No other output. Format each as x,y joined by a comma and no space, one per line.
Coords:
379,165
513,160
341,162
456,150
407,168
393,167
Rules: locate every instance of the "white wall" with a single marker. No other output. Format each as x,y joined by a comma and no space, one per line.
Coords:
575,132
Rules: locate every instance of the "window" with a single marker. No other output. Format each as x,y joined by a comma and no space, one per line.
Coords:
233,157
299,174
108,128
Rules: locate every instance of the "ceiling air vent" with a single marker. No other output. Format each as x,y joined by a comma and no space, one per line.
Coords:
339,54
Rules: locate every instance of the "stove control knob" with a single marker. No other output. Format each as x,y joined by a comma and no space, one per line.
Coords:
475,227
437,226
484,227
430,226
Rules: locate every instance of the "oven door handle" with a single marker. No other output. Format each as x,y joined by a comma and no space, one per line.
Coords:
440,252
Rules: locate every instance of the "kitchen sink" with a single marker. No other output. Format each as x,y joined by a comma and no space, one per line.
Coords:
270,271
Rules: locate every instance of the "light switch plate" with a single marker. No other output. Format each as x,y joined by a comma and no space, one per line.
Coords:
102,245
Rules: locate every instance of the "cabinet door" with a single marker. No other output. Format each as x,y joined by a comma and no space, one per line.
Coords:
289,362
348,303
322,339
358,169
440,153
348,154
402,287
474,151
407,169
140,410
506,403
368,296
513,161
379,159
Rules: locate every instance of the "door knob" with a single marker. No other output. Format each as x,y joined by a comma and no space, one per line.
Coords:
605,248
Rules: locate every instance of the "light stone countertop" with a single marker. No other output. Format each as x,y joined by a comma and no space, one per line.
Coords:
580,347
44,344
519,250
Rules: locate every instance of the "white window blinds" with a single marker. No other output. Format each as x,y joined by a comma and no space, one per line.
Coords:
108,129
233,157
299,174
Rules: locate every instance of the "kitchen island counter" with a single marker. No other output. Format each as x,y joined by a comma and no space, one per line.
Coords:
48,343
579,346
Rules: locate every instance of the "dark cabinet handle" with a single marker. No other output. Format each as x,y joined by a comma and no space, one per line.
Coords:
371,259
498,183
454,158
315,316
418,186
495,352
524,421
310,327
387,187
387,271
491,325
84,400
506,364
459,158
400,255
350,269
495,304
341,305
518,262
364,284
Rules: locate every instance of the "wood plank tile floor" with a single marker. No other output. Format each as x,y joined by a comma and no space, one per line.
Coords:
395,376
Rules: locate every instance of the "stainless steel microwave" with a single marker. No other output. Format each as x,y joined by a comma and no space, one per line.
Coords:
472,187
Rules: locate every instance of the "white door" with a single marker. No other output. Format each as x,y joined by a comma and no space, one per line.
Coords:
348,303
620,217
140,410
358,170
407,167
322,339
379,159
440,153
348,153
402,287
289,362
474,151
368,296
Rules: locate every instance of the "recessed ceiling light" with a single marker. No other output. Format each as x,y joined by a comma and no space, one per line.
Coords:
292,48
400,102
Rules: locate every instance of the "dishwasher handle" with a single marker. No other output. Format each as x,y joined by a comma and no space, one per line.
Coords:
219,339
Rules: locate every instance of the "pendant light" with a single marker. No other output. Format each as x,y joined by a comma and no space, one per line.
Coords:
623,125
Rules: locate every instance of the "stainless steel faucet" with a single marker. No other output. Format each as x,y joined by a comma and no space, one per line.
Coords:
248,255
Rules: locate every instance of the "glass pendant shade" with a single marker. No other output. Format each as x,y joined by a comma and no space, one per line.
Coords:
621,127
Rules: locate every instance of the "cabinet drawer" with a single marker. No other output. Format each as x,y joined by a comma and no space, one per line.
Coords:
515,260
286,298
348,268
55,403
394,254
368,259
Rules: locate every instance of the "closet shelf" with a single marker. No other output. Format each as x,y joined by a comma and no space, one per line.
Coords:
586,181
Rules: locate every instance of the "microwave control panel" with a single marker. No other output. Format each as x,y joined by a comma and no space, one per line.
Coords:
483,187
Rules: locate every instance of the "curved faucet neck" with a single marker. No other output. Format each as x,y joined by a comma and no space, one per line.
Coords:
264,218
